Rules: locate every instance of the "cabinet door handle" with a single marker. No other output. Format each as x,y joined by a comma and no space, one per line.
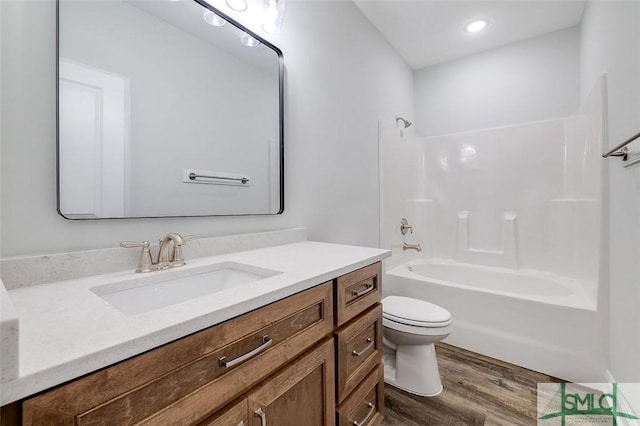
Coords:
366,348
266,342
372,409
368,288
263,416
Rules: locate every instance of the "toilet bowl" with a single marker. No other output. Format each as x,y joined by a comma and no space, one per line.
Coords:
410,329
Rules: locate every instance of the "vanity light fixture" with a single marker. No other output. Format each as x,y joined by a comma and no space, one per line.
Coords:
258,15
475,26
249,41
273,12
237,5
212,19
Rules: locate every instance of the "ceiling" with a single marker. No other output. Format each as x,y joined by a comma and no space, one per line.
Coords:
428,32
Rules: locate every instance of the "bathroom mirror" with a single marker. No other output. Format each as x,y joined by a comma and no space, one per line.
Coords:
163,113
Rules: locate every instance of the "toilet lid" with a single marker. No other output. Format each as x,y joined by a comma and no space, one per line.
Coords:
413,311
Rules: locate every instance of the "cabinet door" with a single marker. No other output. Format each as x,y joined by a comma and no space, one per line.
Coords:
300,394
235,414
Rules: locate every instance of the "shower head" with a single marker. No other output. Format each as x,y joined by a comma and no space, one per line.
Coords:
405,122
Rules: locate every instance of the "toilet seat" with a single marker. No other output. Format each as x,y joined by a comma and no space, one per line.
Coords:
418,324
414,312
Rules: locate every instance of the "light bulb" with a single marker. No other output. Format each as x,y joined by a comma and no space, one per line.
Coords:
249,41
237,5
273,13
212,19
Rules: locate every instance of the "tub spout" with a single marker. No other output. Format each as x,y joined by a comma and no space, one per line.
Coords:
415,247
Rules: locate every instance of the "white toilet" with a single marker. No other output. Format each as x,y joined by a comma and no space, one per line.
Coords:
410,329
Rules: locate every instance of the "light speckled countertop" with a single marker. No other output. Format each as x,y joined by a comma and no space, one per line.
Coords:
67,331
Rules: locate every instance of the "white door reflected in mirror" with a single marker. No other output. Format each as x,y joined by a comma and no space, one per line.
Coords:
94,131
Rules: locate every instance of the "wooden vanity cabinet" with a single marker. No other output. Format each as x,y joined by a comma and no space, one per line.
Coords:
311,359
186,381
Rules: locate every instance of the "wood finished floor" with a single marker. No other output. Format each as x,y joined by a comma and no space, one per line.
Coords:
478,390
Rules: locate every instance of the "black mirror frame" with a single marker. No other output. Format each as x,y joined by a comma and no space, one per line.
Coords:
280,124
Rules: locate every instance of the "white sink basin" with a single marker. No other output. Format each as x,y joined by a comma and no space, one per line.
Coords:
164,288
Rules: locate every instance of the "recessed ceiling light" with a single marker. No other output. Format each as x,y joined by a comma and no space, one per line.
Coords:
476,26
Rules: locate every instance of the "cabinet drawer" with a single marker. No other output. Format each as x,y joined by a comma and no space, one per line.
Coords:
185,381
236,414
356,291
365,406
359,350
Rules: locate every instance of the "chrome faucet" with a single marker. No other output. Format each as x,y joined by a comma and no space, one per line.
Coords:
415,247
176,259
165,261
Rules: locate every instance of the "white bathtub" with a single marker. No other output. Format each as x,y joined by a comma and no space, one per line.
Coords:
533,319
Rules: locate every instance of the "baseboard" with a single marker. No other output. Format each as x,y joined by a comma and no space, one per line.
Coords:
624,406
534,355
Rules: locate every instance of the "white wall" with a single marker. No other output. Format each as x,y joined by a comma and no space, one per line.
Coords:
339,81
532,80
336,94
611,44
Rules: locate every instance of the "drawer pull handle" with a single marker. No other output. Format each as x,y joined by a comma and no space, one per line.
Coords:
369,346
369,287
372,409
266,342
263,416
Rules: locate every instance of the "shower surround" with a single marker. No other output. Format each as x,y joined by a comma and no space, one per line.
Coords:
521,205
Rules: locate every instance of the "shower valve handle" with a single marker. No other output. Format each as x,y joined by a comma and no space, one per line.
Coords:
404,226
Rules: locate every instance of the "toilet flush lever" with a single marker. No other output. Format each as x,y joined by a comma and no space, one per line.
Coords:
404,226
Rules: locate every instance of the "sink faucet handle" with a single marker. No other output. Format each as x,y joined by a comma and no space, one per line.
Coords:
135,244
145,264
